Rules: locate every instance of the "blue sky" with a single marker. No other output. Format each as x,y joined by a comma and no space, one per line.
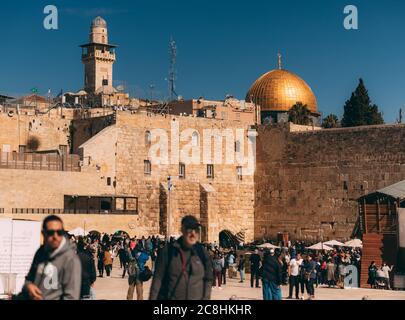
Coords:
223,46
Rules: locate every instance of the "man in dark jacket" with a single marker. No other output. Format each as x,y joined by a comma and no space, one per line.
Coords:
89,275
254,268
272,277
183,269
55,273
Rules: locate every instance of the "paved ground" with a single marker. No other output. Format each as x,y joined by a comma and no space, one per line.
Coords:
115,288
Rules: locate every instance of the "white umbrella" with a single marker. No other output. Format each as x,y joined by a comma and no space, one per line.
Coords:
175,236
320,246
268,246
334,243
78,232
355,243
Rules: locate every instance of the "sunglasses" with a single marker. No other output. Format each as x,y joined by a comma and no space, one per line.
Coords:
191,230
51,233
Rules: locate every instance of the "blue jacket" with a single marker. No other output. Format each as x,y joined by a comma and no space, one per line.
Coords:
143,257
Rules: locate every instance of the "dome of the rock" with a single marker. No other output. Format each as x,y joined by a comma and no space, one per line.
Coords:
278,90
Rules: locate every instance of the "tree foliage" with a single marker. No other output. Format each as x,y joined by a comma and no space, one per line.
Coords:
359,111
331,121
300,114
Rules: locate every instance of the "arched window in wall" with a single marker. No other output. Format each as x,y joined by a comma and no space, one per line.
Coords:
148,138
195,139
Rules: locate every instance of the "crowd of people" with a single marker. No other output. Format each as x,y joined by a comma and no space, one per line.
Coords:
295,266
182,269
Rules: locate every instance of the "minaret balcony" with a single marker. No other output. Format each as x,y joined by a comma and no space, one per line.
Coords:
99,55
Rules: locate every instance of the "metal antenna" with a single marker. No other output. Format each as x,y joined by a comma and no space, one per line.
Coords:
172,70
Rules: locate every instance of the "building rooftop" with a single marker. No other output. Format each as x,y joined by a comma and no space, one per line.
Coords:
396,191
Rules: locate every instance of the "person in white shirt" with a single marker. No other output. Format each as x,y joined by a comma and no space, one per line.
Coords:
293,272
386,272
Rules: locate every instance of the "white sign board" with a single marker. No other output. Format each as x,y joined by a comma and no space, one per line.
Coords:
401,224
19,240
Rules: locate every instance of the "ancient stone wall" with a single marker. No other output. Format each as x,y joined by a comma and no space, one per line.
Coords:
68,127
81,130
233,197
19,130
46,189
308,183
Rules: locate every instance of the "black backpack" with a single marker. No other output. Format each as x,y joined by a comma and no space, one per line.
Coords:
146,274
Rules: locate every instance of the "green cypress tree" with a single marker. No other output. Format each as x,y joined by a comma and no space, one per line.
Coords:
358,110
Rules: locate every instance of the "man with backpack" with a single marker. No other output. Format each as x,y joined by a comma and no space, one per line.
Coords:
183,268
138,273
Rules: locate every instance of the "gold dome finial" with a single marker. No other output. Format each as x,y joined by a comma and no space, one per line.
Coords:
280,64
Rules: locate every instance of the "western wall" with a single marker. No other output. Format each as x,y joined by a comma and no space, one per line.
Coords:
307,182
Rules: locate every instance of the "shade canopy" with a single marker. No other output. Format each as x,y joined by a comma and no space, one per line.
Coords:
396,191
175,236
320,246
78,232
334,243
355,243
268,246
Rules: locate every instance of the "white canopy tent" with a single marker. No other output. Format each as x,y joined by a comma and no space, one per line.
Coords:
354,243
175,236
334,243
78,232
320,246
268,246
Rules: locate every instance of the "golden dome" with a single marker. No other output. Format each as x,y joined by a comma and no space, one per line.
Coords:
279,90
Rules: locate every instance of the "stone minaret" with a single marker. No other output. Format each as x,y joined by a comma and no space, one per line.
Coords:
98,57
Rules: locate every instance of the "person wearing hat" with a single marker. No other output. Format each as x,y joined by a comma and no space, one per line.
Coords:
272,276
183,268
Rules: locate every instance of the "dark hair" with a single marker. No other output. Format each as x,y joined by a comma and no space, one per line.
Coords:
80,244
50,219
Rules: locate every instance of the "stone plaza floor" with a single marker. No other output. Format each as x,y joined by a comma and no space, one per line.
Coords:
115,288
